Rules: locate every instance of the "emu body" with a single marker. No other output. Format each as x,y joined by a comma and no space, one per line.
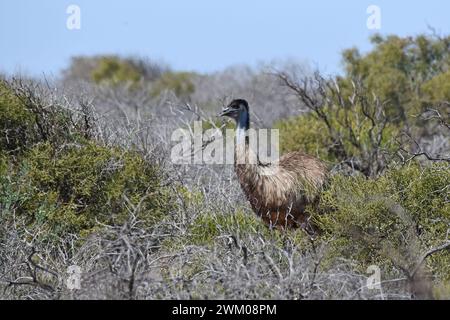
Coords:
278,192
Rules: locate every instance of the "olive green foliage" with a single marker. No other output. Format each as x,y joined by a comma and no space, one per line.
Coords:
137,73
308,136
73,188
437,89
207,227
390,221
113,70
356,134
26,119
16,121
401,70
63,181
359,119
178,82
309,133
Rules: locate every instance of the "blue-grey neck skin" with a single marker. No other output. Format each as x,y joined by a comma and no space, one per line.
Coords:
243,124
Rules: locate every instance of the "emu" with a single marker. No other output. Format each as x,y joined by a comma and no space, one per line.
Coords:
279,192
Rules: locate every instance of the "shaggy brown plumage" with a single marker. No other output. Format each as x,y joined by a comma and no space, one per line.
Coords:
278,192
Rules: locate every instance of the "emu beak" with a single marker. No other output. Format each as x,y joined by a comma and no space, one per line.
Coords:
224,112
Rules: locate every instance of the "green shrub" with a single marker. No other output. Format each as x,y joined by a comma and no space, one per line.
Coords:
59,179
304,133
17,124
391,220
437,89
69,189
113,70
208,226
350,136
179,82
397,68
3,164
25,119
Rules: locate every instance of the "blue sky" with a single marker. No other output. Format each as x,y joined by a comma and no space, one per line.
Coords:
202,35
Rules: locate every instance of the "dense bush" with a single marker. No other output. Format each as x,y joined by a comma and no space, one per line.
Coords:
437,89
63,181
309,133
390,221
179,83
73,188
17,124
113,69
27,117
375,110
351,131
398,68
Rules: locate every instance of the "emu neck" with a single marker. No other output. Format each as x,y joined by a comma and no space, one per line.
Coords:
243,124
244,157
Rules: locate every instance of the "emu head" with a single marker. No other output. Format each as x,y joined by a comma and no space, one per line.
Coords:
236,110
